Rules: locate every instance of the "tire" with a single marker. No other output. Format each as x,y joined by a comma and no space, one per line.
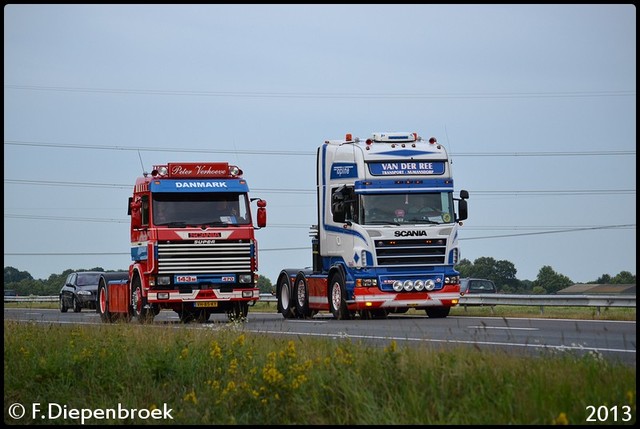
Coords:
102,306
337,297
139,302
437,312
63,306
238,312
301,297
156,309
285,301
77,307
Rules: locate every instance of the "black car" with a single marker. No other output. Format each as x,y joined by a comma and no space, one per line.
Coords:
80,291
470,285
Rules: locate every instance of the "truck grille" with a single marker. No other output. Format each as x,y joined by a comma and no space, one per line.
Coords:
411,252
204,258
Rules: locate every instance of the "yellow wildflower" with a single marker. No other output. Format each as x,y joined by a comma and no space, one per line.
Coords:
561,419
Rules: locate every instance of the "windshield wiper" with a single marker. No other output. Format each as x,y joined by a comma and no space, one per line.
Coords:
423,221
382,222
214,223
175,224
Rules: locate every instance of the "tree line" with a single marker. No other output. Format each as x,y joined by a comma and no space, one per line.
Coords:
503,274
548,281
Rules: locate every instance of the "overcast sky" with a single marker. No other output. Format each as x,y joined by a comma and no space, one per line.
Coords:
536,104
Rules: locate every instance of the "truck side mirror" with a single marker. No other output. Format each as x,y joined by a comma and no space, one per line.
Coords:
463,211
262,214
134,210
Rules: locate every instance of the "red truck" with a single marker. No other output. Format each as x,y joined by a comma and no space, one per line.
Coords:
193,246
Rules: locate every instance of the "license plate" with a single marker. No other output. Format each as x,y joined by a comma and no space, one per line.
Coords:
206,304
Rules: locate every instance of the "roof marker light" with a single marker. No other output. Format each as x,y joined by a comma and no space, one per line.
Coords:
348,137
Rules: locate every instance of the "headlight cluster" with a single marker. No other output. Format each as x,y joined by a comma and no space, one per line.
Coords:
417,285
366,282
453,280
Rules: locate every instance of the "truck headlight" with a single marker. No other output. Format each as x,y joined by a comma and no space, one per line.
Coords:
430,285
164,280
245,278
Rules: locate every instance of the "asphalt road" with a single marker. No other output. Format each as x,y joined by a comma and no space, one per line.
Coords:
613,340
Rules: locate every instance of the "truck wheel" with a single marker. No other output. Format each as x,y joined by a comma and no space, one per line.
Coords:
285,302
337,297
139,302
77,307
437,312
103,303
301,294
63,306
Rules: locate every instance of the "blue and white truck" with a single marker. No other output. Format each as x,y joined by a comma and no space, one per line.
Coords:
386,238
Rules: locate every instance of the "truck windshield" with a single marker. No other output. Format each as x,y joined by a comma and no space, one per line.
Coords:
200,209
399,209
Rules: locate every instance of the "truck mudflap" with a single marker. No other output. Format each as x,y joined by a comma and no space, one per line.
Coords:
202,295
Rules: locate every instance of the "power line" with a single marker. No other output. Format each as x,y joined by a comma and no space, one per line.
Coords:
262,152
309,247
155,149
311,191
306,226
329,95
626,226
65,218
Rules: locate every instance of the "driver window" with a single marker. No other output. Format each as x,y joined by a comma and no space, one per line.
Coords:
344,205
351,205
144,210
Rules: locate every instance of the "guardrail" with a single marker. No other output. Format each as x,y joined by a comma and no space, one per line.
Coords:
31,298
598,301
